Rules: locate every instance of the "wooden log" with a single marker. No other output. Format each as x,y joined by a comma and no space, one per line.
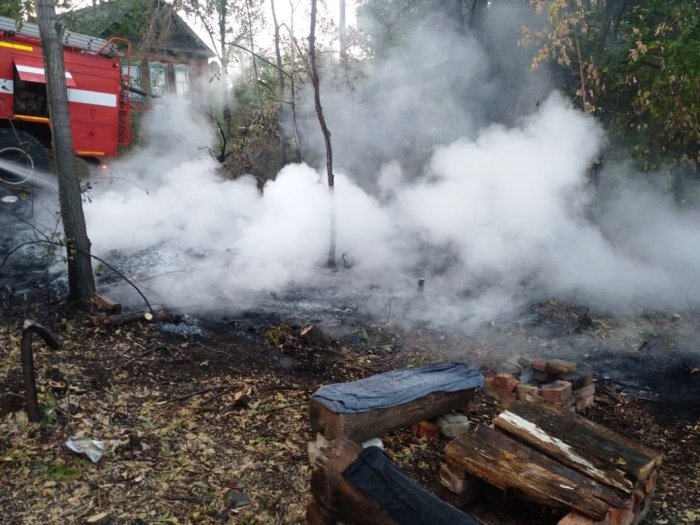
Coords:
131,317
364,425
556,448
338,497
377,404
600,446
317,515
363,486
509,465
102,303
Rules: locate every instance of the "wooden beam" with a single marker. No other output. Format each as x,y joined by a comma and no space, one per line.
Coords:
553,447
509,465
336,496
364,487
602,447
364,425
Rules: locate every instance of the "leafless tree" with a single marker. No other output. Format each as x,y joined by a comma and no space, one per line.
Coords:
324,129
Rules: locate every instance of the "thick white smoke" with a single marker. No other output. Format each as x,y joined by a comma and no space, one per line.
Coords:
499,214
493,222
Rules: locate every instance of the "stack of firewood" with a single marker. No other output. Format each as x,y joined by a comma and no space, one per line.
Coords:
562,461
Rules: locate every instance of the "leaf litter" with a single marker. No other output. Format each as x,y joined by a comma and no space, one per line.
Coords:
215,430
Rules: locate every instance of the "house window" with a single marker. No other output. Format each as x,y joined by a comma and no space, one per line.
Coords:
182,81
134,73
158,76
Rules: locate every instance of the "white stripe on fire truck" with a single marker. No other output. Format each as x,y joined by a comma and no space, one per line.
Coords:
36,70
79,96
92,97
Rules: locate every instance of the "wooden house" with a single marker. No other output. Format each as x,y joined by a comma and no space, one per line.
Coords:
167,55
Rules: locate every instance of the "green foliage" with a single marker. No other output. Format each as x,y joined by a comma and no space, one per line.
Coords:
659,82
383,24
634,64
13,8
59,471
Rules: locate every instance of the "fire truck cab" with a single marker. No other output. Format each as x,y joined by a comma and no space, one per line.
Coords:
97,97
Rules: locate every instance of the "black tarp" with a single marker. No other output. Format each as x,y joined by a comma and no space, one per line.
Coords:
402,498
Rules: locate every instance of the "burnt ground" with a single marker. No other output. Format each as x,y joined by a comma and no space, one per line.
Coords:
204,419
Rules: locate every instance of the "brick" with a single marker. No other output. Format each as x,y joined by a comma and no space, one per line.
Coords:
509,368
651,483
578,379
541,376
573,518
427,430
453,478
644,510
502,387
525,362
558,391
586,391
558,366
457,499
314,448
583,404
453,425
529,393
505,381
624,515
539,364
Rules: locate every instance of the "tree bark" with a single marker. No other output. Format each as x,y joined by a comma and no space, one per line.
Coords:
252,52
280,84
224,66
292,85
80,279
342,34
377,421
511,466
452,11
326,132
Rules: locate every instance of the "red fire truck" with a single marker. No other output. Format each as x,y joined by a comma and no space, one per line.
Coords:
97,97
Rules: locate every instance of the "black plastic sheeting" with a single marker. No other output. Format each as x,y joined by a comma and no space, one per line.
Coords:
397,387
402,498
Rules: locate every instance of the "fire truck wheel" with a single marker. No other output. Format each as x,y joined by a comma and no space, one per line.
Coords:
20,155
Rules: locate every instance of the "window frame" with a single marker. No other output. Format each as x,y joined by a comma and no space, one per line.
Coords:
158,66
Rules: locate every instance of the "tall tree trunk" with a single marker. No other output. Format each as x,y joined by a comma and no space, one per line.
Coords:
324,129
342,34
452,11
224,65
604,26
252,52
473,13
292,84
81,283
280,84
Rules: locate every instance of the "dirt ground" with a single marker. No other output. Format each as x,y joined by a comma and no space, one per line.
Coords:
210,425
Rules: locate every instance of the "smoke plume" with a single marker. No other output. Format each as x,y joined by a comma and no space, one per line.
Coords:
494,209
